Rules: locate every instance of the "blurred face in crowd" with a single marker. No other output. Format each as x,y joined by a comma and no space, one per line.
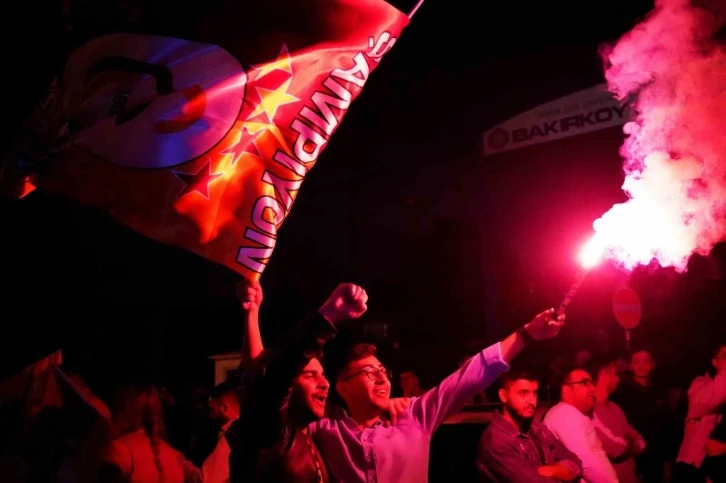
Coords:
365,386
641,364
520,399
609,378
579,391
719,360
310,388
621,365
582,357
224,408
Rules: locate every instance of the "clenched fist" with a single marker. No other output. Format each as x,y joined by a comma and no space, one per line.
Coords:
250,296
347,301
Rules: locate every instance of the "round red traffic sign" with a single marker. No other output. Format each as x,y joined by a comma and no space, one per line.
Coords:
627,308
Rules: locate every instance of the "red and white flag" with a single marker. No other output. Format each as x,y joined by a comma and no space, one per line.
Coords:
205,145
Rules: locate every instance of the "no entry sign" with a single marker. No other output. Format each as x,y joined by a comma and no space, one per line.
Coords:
627,308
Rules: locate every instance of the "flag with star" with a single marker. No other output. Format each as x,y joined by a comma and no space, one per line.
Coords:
204,144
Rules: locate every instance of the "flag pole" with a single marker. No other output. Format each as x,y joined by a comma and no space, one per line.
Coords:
415,9
72,385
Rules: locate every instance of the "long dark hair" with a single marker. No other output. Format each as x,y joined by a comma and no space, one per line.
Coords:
294,413
290,416
138,406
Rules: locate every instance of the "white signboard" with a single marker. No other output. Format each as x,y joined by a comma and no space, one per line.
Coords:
581,112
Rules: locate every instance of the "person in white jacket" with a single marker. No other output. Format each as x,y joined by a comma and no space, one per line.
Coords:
705,397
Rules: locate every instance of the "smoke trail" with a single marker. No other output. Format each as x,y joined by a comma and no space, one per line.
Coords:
675,151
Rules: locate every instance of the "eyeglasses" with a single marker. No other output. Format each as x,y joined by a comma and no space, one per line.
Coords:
585,382
371,373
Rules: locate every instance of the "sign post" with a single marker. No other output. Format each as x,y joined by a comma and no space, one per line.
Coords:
628,311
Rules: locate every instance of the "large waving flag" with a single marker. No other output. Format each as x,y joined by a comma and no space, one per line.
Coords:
206,145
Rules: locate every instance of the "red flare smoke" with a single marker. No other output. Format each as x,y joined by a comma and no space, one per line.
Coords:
675,151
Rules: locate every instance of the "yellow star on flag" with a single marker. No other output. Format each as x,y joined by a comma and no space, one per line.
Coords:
283,63
272,100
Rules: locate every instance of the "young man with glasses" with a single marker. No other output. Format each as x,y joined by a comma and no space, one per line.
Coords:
571,421
357,444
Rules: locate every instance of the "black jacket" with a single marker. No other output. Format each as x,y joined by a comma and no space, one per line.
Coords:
266,444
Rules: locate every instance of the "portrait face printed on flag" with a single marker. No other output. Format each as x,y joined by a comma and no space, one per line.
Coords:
143,101
205,146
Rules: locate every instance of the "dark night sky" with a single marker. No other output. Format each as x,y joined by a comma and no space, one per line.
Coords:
401,201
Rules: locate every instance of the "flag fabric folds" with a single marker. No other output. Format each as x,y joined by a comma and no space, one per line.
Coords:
205,143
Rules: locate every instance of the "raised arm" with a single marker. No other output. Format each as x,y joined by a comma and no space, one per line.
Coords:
250,297
347,301
479,372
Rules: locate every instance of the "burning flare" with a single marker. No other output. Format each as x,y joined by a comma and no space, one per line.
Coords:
591,252
675,175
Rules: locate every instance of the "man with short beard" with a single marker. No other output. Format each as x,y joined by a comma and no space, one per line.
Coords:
355,440
517,448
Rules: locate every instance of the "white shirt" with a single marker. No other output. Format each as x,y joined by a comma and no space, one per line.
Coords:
215,468
705,397
577,433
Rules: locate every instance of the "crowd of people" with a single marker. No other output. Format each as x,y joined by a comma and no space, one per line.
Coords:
313,410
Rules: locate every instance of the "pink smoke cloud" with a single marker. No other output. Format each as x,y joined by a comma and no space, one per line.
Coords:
675,150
